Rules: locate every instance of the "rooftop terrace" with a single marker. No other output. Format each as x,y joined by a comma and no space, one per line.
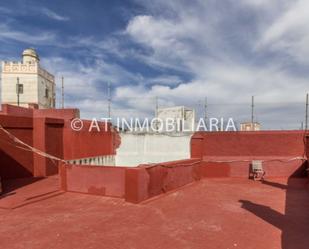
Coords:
211,213
205,201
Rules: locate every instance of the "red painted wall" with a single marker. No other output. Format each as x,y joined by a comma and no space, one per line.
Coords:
171,175
15,162
146,181
242,169
133,184
260,143
65,114
222,154
143,183
54,129
47,137
307,145
68,113
85,143
16,111
48,130
230,153
98,180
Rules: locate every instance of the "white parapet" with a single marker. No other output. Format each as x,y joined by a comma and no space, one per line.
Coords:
141,148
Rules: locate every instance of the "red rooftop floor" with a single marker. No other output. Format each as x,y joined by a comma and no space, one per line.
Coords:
211,213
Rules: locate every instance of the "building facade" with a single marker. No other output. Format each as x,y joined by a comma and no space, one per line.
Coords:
183,118
26,82
248,126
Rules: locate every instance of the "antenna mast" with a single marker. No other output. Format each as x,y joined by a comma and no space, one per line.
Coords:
62,92
109,99
252,112
306,116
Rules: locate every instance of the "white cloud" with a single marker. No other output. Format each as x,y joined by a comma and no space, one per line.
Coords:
44,38
225,46
144,27
168,80
289,33
199,38
53,15
263,4
86,85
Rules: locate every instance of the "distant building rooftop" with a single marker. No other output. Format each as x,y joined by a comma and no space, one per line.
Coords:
248,126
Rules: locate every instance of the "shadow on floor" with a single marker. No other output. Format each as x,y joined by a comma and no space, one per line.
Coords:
294,223
8,186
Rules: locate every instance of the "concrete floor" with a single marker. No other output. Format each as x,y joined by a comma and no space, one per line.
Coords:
212,213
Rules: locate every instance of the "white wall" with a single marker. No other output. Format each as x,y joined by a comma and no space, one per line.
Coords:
142,148
9,94
44,101
34,79
179,114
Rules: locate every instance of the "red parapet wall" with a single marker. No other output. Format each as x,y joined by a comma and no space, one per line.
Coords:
282,157
272,168
164,177
85,143
307,145
146,182
133,184
16,111
244,144
230,153
141,183
98,180
66,114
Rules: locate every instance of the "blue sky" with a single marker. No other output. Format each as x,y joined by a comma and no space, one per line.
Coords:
180,51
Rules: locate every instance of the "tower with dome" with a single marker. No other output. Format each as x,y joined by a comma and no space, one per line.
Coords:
26,82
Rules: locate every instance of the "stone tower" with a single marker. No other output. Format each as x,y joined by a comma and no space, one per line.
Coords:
26,82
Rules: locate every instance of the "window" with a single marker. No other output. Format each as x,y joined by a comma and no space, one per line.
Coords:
46,92
19,88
